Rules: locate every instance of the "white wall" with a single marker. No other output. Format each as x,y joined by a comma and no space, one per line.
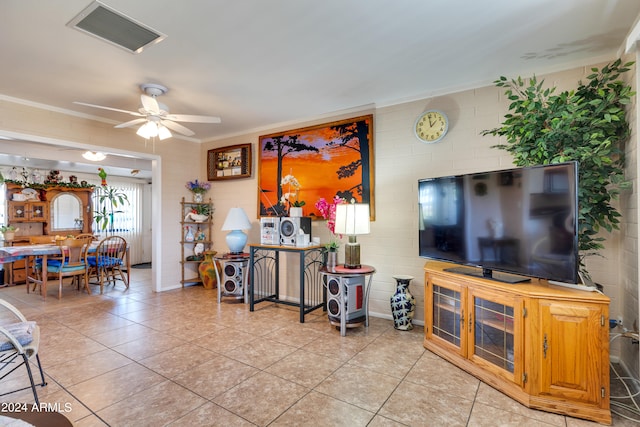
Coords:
400,161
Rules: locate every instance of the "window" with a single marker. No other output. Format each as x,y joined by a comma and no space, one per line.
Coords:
127,217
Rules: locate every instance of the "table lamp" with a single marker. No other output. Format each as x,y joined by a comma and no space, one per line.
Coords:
235,222
352,219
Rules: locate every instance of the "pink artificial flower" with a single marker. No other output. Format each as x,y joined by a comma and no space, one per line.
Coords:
328,211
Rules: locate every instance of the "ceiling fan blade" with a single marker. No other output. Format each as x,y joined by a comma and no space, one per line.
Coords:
193,119
130,123
133,113
177,127
150,104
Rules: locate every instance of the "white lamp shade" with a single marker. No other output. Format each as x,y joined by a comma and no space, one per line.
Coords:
352,219
236,219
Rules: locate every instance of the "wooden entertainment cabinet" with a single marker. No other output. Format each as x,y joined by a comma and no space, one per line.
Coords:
545,346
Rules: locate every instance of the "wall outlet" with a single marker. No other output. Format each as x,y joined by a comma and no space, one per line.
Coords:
620,320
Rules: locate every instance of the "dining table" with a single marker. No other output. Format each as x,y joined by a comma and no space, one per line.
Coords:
9,254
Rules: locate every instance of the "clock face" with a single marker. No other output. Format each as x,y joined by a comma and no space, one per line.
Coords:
431,126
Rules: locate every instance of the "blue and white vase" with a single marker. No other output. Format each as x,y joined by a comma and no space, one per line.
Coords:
189,237
403,304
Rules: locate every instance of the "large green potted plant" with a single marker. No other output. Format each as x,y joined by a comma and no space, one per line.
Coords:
109,199
587,124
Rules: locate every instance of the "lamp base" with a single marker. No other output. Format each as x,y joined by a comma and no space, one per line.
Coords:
352,253
236,240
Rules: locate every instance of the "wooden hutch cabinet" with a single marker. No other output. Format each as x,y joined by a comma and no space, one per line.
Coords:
60,210
545,346
44,210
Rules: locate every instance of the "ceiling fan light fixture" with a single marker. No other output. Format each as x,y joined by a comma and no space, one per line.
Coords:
148,130
163,132
94,156
153,117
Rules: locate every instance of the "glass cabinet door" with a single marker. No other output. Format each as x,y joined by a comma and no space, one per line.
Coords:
17,211
493,333
496,336
447,309
38,211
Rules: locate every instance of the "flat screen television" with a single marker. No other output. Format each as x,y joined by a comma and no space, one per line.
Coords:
508,225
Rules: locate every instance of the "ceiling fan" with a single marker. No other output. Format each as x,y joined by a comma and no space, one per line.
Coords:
155,117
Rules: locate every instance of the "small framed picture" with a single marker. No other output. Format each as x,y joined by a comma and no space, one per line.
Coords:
230,162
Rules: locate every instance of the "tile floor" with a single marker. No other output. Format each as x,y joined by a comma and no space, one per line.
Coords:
178,358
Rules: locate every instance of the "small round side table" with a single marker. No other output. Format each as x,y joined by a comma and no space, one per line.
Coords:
348,289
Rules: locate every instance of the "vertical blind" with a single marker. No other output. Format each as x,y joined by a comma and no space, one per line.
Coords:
126,220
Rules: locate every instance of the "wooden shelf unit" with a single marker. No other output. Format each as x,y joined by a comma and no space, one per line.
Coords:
190,268
545,346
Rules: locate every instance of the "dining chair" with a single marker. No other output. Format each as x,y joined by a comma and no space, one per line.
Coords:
71,262
35,263
19,342
105,264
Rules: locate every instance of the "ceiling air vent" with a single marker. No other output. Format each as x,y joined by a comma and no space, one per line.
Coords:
107,24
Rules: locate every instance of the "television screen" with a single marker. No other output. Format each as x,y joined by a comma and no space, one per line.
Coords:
519,221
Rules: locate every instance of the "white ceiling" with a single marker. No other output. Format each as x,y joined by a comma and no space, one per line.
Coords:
256,63
46,157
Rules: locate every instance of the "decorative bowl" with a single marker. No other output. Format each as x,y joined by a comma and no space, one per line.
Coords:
198,218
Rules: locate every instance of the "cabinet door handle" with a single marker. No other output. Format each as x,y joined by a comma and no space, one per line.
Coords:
545,346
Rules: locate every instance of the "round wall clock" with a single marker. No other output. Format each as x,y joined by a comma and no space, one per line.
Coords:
431,126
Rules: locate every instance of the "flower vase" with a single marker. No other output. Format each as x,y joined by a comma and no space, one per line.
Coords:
403,304
189,237
332,259
198,197
207,270
295,211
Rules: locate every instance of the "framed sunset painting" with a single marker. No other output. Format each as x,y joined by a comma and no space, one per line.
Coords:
328,160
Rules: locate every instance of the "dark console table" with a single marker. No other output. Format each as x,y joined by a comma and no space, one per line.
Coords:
264,276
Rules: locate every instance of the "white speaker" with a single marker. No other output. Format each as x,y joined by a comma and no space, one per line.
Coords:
291,226
270,230
232,278
354,297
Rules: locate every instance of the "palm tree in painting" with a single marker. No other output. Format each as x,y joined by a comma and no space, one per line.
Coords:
333,159
354,136
284,145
